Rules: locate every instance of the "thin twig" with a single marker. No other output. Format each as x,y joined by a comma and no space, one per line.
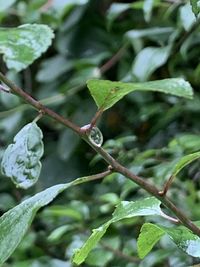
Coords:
114,59
108,158
119,253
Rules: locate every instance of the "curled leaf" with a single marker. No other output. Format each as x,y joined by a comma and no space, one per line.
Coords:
21,160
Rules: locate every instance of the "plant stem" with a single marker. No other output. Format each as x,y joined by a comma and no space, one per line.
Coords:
115,166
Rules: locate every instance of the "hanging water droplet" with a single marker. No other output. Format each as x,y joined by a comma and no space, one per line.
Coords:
95,136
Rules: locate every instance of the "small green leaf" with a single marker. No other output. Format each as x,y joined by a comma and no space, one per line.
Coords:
150,234
81,254
21,160
195,6
148,206
22,45
107,93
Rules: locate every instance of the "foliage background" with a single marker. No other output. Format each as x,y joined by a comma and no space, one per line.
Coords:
145,131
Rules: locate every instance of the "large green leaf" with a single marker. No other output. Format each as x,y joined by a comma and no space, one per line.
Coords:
145,207
22,45
150,234
195,6
107,93
15,222
21,160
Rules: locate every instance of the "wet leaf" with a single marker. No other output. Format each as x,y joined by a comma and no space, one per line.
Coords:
126,209
22,45
150,234
21,160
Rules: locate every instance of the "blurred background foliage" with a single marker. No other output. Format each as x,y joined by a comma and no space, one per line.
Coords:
130,41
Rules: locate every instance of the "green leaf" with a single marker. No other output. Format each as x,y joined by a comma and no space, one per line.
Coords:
22,45
150,58
145,207
107,93
21,160
184,161
15,222
185,240
180,235
187,18
150,234
195,6
147,9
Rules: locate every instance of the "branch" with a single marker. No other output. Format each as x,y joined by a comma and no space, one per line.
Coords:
115,166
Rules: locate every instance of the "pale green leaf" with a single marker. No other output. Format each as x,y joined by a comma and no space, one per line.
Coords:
195,6
147,9
145,207
6,4
22,45
21,160
15,222
150,234
107,93
187,18
150,58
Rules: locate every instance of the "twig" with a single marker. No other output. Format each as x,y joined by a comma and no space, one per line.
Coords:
117,167
110,63
119,253
185,35
39,106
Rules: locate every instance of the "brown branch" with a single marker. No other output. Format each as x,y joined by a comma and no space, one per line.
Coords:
114,59
30,100
108,158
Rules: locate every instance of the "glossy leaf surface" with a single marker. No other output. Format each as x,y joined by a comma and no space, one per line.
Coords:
107,93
